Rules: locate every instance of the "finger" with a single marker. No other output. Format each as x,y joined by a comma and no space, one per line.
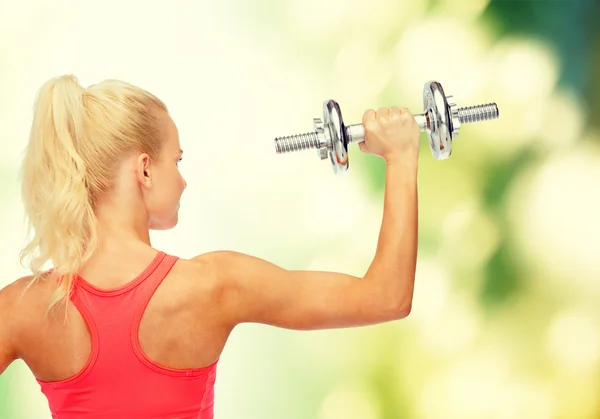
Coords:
368,115
394,111
381,112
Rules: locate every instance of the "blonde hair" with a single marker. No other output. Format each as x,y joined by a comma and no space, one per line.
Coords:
77,138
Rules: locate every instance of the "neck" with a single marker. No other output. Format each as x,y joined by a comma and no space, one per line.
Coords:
122,227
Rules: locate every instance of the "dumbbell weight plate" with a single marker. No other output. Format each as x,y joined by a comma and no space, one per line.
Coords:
440,124
333,121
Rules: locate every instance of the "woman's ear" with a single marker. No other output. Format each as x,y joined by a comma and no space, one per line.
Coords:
144,170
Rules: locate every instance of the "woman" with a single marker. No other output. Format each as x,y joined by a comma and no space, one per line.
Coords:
118,329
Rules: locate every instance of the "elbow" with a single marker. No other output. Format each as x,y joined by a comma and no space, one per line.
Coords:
404,310
403,304
396,300
400,310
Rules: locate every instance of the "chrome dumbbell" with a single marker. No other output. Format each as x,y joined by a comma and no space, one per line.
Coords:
441,119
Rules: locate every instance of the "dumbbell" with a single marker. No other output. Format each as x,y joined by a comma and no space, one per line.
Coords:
441,119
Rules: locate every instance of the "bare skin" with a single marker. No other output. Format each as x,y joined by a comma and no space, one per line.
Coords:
202,299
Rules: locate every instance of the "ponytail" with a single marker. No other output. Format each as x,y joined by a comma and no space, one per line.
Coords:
55,194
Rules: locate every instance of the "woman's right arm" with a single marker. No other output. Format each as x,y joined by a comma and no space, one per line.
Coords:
252,290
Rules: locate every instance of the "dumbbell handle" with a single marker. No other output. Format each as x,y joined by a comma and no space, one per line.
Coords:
356,133
467,115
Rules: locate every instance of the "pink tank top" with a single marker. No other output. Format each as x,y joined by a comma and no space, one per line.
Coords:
119,381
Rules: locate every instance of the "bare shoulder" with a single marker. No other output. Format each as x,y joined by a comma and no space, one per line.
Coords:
22,301
6,297
25,292
206,272
212,256
13,294
10,317
206,266
225,268
224,271
219,262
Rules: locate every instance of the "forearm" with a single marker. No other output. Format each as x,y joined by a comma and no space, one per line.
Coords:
394,265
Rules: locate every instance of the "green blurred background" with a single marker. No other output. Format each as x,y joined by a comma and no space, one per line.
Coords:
506,313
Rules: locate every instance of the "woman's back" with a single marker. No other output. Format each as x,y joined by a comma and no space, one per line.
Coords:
179,328
179,337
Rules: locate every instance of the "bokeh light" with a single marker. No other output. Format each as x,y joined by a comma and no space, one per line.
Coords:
505,315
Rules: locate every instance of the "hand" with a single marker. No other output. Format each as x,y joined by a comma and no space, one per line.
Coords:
391,134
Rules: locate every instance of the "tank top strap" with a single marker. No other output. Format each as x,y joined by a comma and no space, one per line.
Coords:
146,289
152,275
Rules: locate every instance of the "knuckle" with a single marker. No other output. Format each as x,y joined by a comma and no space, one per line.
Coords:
405,112
382,112
369,114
